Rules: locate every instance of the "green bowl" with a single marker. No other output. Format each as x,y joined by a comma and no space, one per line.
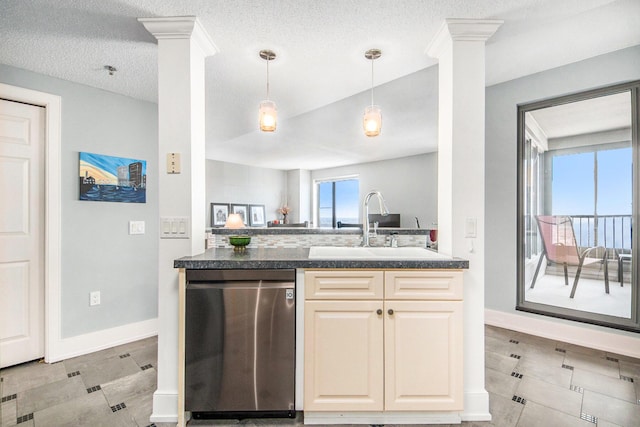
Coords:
239,241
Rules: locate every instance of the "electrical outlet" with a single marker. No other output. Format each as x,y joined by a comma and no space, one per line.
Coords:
94,298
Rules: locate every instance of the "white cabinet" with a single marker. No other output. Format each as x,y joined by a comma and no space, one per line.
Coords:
343,356
392,342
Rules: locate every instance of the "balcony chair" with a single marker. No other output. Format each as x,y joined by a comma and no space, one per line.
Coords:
560,247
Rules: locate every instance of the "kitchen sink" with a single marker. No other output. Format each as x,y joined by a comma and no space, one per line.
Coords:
339,252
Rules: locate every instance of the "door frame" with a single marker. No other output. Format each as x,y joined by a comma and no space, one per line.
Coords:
53,209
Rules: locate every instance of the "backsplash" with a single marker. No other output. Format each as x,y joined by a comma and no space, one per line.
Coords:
299,240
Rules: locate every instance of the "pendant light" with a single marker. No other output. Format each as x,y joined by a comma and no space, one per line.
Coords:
268,113
372,120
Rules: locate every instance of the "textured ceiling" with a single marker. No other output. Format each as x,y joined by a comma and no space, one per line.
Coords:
320,77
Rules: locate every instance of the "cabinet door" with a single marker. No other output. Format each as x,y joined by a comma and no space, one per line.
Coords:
343,363
423,355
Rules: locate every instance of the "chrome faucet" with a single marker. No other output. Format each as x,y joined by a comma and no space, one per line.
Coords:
365,210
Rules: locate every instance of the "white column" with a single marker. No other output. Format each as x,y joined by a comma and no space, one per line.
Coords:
460,49
183,45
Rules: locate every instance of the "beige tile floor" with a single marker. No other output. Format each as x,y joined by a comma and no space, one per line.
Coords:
531,382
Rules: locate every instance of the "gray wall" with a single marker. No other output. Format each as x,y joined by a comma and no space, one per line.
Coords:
97,252
241,184
501,139
409,185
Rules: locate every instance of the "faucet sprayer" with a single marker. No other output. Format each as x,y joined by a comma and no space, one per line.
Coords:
365,208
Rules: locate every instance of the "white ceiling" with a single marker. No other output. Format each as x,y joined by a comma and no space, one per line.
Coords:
604,113
320,78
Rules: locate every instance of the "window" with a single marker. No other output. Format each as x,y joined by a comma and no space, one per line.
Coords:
337,200
601,204
576,181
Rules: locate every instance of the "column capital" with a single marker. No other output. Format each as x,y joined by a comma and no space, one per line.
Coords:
180,27
457,29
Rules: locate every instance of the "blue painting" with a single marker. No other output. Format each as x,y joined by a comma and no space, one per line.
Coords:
112,179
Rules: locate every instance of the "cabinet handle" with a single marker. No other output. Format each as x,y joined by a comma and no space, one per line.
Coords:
379,311
390,312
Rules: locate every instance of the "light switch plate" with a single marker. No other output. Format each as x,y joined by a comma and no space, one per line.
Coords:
176,227
136,227
470,227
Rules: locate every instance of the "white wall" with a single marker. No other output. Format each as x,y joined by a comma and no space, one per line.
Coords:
409,185
241,184
98,254
299,195
501,158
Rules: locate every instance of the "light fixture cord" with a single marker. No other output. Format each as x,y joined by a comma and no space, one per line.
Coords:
372,81
268,78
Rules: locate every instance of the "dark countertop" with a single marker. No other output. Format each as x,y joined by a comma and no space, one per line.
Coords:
264,258
250,231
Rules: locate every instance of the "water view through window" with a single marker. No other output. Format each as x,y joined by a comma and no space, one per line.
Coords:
601,204
338,201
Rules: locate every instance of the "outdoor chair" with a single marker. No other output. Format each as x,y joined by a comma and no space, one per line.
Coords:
560,247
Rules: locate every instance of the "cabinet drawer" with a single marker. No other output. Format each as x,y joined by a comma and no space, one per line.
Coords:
343,284
423,284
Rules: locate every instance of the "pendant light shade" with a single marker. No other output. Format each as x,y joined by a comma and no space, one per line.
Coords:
372,120
268,116
268,112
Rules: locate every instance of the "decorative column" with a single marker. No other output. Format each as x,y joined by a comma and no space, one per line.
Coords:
460,49
183,45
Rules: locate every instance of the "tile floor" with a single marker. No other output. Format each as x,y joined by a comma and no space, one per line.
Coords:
112,387
531,382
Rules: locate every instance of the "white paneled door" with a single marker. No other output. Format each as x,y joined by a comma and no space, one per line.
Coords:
21,232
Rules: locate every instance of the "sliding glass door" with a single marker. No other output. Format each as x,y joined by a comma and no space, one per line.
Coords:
577,175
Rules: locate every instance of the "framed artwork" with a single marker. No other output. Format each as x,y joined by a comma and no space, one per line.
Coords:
257,215
112,179
219,214
242,211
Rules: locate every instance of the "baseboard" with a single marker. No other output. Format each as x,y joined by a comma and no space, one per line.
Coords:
165,407
476,407
572,334
381,418
95,341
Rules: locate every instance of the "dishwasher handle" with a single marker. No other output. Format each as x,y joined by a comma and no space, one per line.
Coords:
253,284
210,276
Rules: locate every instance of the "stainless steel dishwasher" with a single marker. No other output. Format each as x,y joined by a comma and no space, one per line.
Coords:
240,343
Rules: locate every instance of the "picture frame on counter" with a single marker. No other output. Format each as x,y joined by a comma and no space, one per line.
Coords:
256,217
219,214
242,210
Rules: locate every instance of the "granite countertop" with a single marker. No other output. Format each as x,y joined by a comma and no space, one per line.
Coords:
254,231
265,258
